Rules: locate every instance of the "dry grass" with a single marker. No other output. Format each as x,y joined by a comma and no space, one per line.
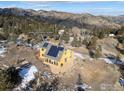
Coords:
93,73
16,53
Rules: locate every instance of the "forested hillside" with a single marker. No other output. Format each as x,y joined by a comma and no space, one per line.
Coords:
12,26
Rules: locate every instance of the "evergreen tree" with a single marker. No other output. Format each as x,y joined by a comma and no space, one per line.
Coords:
9,78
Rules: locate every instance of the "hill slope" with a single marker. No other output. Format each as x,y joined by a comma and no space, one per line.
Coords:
65,19
116,19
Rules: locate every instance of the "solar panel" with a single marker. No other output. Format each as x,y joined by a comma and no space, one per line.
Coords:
61,48
54,50
45,45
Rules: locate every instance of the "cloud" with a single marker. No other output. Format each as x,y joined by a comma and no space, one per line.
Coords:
103,8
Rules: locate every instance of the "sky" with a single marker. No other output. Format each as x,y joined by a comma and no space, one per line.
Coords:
93,7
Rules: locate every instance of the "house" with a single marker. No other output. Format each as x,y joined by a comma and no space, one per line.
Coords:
57,57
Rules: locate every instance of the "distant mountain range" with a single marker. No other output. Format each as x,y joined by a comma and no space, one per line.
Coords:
116,19
87,21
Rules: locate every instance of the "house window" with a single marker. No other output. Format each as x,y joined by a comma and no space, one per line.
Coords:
61,64
65,59
42,54
55,63
52,61
46,60
42,49
49,61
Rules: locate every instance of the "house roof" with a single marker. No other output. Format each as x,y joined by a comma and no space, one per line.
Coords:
45,44
53,52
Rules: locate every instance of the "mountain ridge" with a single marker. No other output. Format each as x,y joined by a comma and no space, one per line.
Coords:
63,18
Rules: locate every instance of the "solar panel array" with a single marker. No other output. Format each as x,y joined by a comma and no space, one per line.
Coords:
45,45
54,50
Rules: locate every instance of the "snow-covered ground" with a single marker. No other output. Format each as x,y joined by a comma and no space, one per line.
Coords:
37,46
82,56
111,60
27,73
2,51
108,60
83,86
78,55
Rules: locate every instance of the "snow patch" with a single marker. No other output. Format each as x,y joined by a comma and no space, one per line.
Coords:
27,73
78,55
107,60
2,51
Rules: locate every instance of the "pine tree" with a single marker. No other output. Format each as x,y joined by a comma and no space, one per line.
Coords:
9,79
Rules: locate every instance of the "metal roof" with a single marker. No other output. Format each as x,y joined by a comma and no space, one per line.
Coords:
45,44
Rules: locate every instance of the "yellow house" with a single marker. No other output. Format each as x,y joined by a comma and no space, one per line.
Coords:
58,58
